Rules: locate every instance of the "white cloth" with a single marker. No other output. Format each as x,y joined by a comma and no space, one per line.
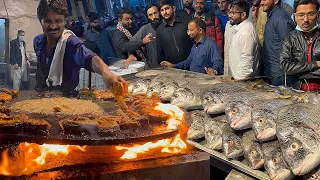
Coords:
227,42
56,67
244,51
21,73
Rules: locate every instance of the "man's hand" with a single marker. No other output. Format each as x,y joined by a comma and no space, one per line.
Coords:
166,64
148,38
16,66
131,58
318,63
210,71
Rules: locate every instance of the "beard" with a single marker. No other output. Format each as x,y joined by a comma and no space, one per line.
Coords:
155,23
170,18
98,28
236,22
128,27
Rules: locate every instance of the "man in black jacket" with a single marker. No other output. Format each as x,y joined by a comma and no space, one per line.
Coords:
301,47
19,60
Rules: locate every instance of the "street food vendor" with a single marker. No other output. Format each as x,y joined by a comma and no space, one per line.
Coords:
61,54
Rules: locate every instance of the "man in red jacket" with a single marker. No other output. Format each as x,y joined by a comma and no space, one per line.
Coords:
213,28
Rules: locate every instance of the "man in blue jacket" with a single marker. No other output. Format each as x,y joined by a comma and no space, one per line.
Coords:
205,53
278,25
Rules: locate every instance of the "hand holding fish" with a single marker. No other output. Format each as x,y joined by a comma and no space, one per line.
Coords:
210,71
130,58
166,64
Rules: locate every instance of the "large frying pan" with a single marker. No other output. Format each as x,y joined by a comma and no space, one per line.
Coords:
56,136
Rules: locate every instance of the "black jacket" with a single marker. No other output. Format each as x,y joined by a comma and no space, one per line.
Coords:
15,52
293,57
123,45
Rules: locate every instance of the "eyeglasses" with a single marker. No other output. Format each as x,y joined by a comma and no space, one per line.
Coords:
231,13
301,16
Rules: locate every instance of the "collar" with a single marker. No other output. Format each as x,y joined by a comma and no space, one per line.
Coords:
221,14
202,40
277,7
315,36
239,26
176,21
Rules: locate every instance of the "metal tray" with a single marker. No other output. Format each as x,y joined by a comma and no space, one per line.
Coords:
234,163
56,136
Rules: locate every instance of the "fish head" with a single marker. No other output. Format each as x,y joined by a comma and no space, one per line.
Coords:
167,90
138,87
183,97
254,156
274,163
301,152
263,124
231,144
154,88
196,129
212,103
238,114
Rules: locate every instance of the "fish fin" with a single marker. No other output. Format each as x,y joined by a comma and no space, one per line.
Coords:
301,97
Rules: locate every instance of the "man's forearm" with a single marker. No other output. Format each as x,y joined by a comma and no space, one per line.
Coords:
100,67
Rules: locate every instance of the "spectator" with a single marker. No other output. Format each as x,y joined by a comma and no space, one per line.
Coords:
261,20
278,25
187,9
244,48
300,48
79,31
173,42
223,13
147,31
122,36
214,6
205,54
100,36
212,22
19,60
227,42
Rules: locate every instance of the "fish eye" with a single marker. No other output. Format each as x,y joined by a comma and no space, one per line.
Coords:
294,146
207,98
275,160
253,153
137,85
176,95
313,177
165,88
151,89
230,142
234,110
261,121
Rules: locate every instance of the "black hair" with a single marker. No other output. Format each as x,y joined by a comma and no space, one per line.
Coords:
93,17
150,6
243,5
123,11
165,2
199,23
305,2
92,14
58,6
20,31
78,30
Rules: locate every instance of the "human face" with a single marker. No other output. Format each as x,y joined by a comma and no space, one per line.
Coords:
167,12
187,4
222,5
194,32
95,24
199,6
53,25
235,16
306,16
268,4
153,15
127,21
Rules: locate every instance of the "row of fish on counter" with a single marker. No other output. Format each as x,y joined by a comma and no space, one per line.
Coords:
275,128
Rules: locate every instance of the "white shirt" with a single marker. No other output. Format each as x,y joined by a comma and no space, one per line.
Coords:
227,42
24,60
244,51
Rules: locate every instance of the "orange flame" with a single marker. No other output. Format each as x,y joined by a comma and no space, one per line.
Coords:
33,150
174,111
176,144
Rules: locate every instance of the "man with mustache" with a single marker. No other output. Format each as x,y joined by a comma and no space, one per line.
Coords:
205,53
100,36
147,35
212,22
61,54
125,48
173,42
187,9
244,48
300,48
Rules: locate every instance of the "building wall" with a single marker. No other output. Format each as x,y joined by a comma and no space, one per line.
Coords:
22,14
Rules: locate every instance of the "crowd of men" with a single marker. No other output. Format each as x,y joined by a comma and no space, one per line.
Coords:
241,39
